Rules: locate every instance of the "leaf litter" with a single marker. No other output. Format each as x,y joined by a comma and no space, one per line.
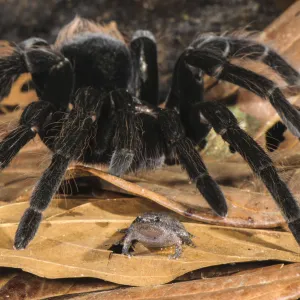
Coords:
274,282
78,231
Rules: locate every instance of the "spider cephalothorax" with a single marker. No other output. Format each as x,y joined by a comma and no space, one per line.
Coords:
112,89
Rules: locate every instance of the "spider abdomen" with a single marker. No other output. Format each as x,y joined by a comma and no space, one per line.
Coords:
99,60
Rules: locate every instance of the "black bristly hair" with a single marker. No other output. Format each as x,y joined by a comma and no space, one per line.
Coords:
11,66
113,91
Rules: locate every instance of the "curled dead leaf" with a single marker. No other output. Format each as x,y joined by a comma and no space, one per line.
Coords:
276,282
16,285
170,188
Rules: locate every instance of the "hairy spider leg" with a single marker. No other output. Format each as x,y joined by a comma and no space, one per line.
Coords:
73,139
48,68
187,89
11,66
217,66
275,136
12,62
226,125
224,122
32,119
39,201
190,159
144,83
53,79
232,47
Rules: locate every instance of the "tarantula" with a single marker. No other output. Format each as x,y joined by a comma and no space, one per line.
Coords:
98,104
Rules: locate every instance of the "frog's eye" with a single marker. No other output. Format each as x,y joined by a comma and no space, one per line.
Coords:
139,219
156,219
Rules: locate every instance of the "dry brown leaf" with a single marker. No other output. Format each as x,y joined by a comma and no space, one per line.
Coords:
224,270
16,96
25,169
6,275
21,285
75,243
270,283
169,187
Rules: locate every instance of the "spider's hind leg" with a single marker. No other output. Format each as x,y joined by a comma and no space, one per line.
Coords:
212,57
233,47
225,124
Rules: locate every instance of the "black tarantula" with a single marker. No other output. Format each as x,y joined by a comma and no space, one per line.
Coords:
98,104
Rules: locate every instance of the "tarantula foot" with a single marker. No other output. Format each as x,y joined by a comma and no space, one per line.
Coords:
27,228
213,195
295,229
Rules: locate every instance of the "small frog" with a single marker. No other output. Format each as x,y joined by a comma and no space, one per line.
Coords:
154,229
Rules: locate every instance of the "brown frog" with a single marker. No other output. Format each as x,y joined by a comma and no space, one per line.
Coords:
154,229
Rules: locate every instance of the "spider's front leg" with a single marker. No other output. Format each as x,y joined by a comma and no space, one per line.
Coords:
144,83
229,47
190,159
187,89
71,141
